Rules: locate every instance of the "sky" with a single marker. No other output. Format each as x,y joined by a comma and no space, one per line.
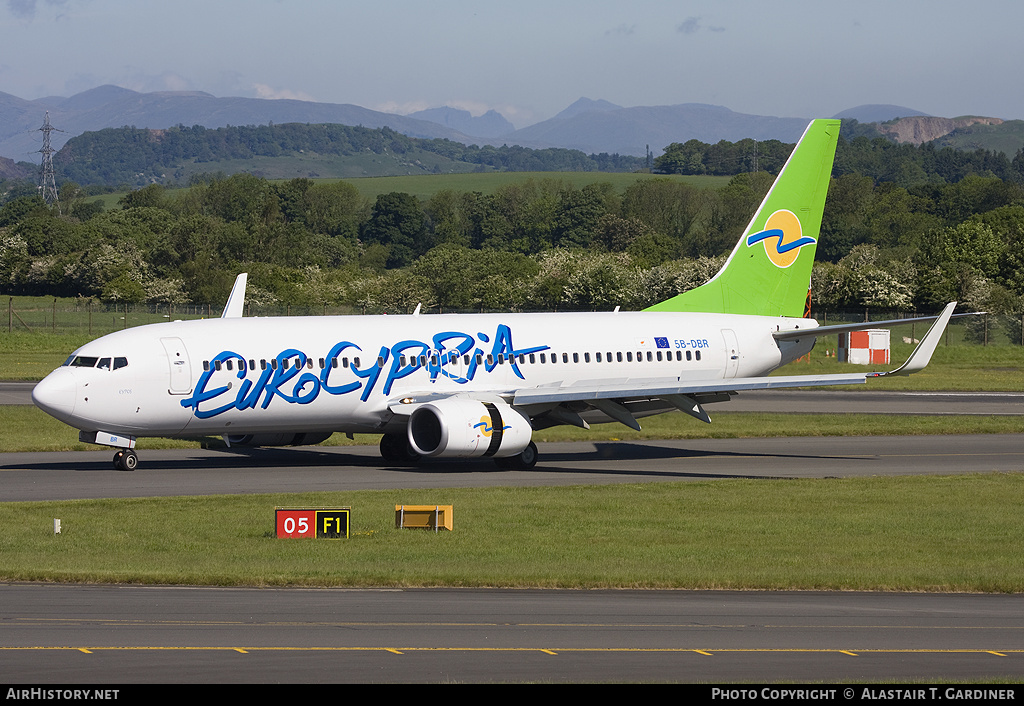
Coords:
530,59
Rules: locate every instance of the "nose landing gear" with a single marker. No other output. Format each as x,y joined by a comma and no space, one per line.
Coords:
126,460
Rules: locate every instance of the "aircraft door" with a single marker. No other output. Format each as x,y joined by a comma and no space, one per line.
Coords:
179,368
732,352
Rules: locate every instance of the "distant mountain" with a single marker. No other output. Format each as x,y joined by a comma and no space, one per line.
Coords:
10,170
591,126
877,113
112,106
490,124
632,130
586,105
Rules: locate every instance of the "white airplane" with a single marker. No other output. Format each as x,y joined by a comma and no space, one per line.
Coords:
472,385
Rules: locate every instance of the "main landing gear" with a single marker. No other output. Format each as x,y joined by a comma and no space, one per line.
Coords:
126,460
522,461
395,448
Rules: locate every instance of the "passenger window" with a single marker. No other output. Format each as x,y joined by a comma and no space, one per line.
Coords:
689,356
575,357
597,356
230,364
206,365
533,358
217,365
698,355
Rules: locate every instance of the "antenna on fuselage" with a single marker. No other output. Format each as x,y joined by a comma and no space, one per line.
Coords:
236,300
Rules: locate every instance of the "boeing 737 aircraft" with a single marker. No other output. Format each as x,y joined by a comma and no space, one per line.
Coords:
472,385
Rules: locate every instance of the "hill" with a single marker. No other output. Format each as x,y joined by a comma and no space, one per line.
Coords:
132,156
606,128
112,106
490,124
920,129
1005,136
877,113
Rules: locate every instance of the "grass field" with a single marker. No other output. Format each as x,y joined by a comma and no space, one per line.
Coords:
958,533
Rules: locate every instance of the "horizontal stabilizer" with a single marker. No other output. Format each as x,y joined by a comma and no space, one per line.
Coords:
818,331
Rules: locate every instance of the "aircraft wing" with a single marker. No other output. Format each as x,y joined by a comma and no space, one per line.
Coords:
663,389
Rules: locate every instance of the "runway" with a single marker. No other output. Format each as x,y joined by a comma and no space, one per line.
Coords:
90,474
134,634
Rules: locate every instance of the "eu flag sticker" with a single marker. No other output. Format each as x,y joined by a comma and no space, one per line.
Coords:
661,342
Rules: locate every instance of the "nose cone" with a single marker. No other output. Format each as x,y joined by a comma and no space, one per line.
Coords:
56,393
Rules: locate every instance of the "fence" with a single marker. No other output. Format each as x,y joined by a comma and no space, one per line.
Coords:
92,318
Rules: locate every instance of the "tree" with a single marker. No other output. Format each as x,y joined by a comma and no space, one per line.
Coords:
397,221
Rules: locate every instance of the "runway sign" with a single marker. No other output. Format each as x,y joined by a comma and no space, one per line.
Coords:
320,523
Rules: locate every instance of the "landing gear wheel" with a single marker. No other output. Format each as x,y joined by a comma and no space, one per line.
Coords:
126,460
396,449
523,461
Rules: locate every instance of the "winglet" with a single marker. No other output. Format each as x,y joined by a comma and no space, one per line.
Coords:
923,353
236,300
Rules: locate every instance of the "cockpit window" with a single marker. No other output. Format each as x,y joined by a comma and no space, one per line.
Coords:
91,361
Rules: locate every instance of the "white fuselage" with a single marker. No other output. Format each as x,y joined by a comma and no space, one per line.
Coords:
340,373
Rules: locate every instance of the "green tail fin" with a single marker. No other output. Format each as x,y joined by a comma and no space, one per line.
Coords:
769,270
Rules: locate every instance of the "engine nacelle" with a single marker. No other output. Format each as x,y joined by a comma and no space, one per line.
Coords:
285,438
468,428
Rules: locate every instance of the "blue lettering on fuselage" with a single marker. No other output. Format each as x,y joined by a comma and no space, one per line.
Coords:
290,379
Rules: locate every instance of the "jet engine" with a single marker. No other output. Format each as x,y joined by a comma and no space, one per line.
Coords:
467,428
287,438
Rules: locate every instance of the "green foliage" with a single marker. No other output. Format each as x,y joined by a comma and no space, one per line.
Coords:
944,226
134,156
